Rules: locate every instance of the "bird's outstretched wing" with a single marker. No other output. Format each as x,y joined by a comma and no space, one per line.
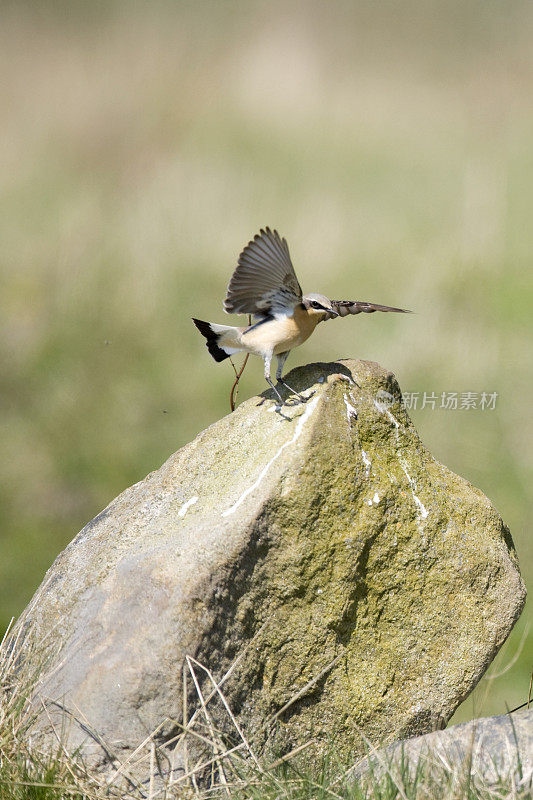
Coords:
345,307
264,281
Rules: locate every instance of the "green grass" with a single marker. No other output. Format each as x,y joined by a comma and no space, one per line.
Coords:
26,773
143,144
59,779
329,780
215,763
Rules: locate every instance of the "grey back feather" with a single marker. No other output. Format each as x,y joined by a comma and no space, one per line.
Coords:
264,280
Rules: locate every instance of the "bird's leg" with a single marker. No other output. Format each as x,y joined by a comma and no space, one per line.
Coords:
268,359
282,357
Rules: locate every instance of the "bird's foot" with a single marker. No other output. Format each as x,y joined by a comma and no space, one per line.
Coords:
280,398
301,398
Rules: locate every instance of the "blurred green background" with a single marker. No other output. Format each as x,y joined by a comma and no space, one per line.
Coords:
143,144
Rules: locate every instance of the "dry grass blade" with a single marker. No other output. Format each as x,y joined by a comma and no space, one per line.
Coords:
268,771
229,711
224,678
119,771
10,649
515,657
110,754
217,748
302,691
185,726
197,735
76,790
152,772
288,756
200,767
6,634
181,739
60,740
379,757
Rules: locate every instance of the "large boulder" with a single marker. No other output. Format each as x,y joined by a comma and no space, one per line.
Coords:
319,548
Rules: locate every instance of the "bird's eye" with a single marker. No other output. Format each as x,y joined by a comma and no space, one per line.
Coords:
314,304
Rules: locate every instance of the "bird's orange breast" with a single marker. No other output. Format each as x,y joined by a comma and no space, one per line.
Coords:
279,335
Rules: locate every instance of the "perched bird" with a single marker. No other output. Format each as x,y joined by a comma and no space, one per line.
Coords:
265,285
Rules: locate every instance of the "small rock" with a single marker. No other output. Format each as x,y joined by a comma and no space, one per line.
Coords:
492,750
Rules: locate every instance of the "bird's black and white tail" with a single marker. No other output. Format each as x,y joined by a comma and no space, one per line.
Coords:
219,338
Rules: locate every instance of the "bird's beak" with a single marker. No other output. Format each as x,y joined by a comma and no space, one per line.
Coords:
335,313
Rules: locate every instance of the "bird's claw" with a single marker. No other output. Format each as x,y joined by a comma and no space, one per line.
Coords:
301,397
280,402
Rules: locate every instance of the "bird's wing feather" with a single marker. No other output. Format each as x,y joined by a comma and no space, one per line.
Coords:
345,307
264,281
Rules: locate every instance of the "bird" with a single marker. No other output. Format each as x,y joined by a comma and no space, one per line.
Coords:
264,285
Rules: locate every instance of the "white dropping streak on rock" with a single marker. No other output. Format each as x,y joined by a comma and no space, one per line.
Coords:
185,507
297,431
382,408
366,462
421,507
351,412
376,498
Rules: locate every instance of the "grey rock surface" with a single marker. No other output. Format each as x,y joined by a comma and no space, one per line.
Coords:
322,551
492,749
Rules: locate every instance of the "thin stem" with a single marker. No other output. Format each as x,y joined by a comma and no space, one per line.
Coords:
232,394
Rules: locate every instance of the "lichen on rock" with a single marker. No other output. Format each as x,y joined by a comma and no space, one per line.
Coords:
374,584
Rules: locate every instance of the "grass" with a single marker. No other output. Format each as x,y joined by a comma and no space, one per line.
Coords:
209,756
57,779
25,772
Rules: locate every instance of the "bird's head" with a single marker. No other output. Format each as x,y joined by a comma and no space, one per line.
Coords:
318,305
